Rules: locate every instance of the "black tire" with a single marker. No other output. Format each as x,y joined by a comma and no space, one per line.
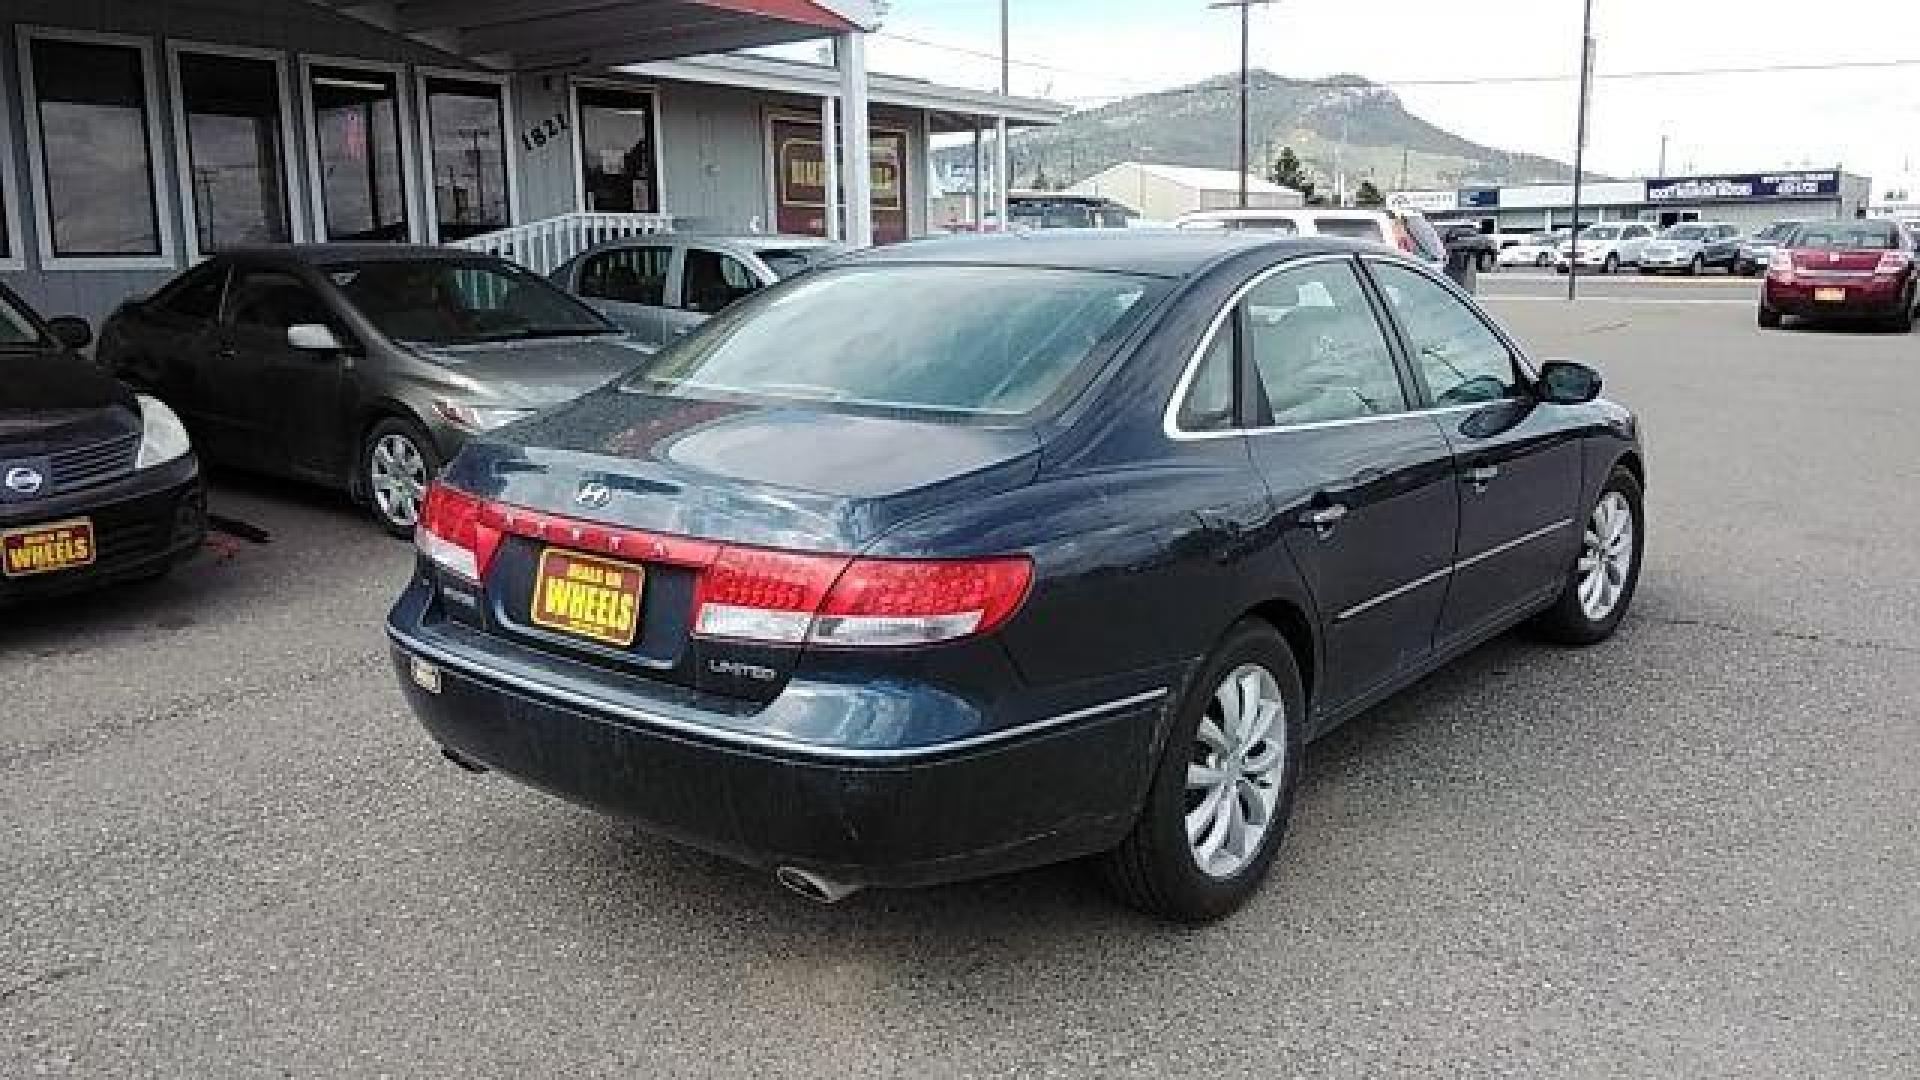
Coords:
1543,260
1611,266
1155,869
365,483
1901,322
1697,267
1567,621
1769,318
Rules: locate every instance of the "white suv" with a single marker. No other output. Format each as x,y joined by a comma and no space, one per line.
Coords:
1408,230
1607,247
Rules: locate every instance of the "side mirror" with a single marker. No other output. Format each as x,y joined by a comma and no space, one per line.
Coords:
1564,382
313,337
71,331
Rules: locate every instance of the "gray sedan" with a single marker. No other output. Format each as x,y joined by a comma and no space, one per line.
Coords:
362,366
659,287
1692,246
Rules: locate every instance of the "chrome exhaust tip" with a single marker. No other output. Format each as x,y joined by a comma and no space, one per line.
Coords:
815,887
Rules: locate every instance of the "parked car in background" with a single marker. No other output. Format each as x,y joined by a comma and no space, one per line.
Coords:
1464,240
1408,230
1539,250
98,484
1065,210
1692,247
659,287
1842,270
358,366
1756,251
1605,247
1175,503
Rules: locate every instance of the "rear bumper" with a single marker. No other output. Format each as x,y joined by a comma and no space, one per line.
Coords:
1865,299
1040,793
142,524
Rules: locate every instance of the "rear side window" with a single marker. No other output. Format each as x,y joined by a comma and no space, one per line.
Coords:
1209,404
968,341
628,275
711,281
1317,349
1455,352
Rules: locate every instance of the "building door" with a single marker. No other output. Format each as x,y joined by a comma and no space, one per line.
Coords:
618,151
800,178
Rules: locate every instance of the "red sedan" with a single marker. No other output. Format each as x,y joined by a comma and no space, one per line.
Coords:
1842,270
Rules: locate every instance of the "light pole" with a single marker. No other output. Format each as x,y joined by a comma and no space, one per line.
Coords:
1580,145
1246,36
1002,167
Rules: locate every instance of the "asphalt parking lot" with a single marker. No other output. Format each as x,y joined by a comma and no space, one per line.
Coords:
1693,851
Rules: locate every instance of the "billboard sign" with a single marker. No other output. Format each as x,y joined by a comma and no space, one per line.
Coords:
1740,186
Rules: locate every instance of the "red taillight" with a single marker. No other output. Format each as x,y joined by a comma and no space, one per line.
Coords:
1893,263
789,598
452,535
1780,267
1402,238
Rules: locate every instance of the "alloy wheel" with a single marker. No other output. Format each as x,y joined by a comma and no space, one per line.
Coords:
1234,771
397,476
1606,556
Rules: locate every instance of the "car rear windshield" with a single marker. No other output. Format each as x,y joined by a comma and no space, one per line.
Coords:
461,302
1352,228
966,341
16,327
786,262
1850,235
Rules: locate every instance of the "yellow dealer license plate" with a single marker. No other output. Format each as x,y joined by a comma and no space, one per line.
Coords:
588,596
1830,296
40,549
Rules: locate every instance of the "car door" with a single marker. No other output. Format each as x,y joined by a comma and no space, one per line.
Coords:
1517,462
629,285
292,402
165,345
710,282
1362,485
1725,246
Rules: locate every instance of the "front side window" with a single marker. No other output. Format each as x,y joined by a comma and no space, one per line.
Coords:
356,118
92,115
964,341
1455,352
635,275
272,300
235,150
461,302
196,295
469,149
711,281
1317,348
616,145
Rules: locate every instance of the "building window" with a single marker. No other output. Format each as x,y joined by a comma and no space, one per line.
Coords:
95,162
363,180
235,141
466,127
617,144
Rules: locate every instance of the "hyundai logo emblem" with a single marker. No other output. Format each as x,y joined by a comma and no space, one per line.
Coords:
24,481
593,495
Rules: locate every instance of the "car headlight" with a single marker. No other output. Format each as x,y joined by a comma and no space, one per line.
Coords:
162,436
477,417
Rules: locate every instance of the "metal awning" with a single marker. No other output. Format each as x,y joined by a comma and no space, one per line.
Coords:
534,34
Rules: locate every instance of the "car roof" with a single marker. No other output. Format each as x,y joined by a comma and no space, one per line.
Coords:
335,254
1157,252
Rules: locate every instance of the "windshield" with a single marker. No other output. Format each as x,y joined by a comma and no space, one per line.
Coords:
16,326
1777,231
1849,235
460,302
964,340
1685,232
786,262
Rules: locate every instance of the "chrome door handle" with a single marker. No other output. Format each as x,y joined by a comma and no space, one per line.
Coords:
1482,476
1326,518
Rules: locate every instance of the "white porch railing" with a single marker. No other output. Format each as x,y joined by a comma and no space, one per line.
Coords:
542,246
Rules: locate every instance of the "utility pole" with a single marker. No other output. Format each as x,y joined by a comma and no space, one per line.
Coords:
1580,145
1246,81
1002,167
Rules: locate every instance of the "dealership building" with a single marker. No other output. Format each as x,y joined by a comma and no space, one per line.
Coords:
1746,199
136,136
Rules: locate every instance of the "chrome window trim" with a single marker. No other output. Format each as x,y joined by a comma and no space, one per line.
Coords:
1170,419
564,697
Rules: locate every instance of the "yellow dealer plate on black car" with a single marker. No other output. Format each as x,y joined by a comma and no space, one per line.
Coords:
41,549
588,596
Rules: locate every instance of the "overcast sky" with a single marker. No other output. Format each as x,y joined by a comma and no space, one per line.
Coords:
1867,120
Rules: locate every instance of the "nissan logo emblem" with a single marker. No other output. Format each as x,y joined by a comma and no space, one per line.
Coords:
24,481
593,495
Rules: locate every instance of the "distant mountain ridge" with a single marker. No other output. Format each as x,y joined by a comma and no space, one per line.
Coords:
1360,125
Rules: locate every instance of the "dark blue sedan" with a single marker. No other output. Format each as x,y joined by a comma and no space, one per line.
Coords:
973,554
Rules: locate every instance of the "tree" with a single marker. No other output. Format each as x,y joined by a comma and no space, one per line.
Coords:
1368,195
1288,172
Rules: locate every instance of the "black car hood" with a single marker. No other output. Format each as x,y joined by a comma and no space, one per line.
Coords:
769,475
50,398
539,372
